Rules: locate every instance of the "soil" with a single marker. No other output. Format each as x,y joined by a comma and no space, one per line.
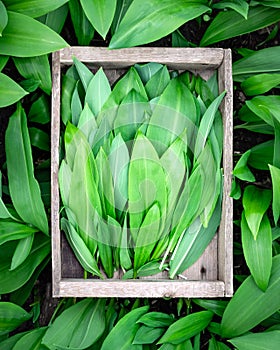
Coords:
243,140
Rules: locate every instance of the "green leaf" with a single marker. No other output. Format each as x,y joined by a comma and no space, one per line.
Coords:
12,280
272,3
275,177
97,91
241,170
21,30
216,345
100,14
147,70
10,91
76,106
216,306
259,62
3,61
55,19
3,17
240,6
85,325
22,251
83,29
121,8
31,340
250,305
10,231
33,8
10,342
255,202
147,335
230,24
258,251
260,83
11,316
186,327
156,319
260,341
39,139
157,83
24,188
84,73
262,155
140,25
127,327
40,111
67,89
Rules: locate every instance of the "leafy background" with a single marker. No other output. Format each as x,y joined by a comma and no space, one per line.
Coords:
29,317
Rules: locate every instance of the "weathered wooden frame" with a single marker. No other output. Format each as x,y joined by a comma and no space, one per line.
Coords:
211,276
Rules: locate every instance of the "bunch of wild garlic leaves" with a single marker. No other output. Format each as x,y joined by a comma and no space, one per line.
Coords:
141,177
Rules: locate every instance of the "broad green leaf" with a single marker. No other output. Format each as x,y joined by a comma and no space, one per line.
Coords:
40,110
127,327
97,91
260,83
56,18
260,341
84,73
33,8
121,8
240,6
76,106
148,335
186,345
272,3
216,306
140,25
147,70
186,327
119,163
262,155
156,319
31,340
85,322
275,177
10,231
228,24
22,251
11,316
257,62
21,30
255,202
147,237
80,249
10,91
37,68
146,182
250,305
265,107
258,252
67,89
87,124
175,111
157,83
3,61
151,268
241,170
39,139
10,342
13,280
100,14
216,345
24,188
83,29
3,17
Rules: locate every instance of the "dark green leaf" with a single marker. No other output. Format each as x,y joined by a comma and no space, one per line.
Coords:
157,83
10,91
147,335
262,155
260,341
22,251
275,177
121,8
241,170
11,316
26,37
228,24
140,25
3,61
216,306
156,319
40,110
260,83
39,139
55,19
3,17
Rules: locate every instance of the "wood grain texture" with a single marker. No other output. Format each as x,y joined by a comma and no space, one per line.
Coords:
211,275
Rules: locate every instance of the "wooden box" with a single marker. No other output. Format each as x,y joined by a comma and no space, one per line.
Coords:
211,276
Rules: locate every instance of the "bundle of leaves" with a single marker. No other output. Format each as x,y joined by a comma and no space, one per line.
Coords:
141,178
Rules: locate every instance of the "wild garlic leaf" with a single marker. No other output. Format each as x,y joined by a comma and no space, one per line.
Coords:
84,73
147,70
275,177
157,83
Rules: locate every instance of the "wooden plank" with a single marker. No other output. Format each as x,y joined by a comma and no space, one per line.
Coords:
141,289
175,58
225,258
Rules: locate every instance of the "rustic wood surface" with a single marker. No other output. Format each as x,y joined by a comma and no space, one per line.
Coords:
211,275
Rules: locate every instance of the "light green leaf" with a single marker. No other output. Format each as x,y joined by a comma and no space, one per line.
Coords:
260,83
10,91
24,188
228,24
84,73
258,252
11,316
3,17
21,30
76,106
186,327
85,322
100,14
97,91
140,25
250,305
10,231
87,124
241,170
33,8
257,341
147,70
127,327
255,202
83,29
275,177
22,251
240,6
157,83
125,259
